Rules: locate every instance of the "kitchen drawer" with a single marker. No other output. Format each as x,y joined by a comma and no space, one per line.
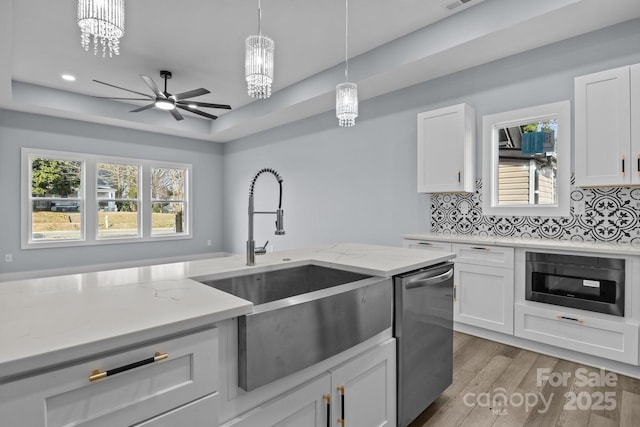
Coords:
562,328
496,256
202,412
428,245
66,397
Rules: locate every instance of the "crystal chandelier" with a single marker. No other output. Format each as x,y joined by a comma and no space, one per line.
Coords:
104,20
258,63
346,93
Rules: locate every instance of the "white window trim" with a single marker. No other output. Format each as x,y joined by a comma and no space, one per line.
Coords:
89,209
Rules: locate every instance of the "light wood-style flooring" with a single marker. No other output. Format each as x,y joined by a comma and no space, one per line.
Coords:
486,373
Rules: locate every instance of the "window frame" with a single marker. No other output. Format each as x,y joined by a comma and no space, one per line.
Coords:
89,199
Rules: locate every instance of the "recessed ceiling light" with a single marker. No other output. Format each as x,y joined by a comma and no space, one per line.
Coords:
69,77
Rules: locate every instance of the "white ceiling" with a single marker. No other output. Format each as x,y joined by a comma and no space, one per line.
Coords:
392,44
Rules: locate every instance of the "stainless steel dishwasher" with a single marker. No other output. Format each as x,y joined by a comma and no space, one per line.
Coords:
423,327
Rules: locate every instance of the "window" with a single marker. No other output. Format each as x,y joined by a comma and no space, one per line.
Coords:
72,199
118,212
168,202
56,198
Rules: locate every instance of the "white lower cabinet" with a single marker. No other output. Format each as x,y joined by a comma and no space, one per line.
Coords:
483,294
615,340
369,384
180,384
361,392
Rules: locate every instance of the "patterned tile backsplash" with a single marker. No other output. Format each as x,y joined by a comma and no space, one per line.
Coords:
610,215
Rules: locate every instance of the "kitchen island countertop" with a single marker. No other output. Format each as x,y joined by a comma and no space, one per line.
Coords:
53,321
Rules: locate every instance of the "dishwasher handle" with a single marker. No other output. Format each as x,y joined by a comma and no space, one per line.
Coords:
429,280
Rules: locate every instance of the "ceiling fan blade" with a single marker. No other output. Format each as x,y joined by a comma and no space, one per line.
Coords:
146,107
205,104
191,94
128,99
176,115
200,113
152,85
128,90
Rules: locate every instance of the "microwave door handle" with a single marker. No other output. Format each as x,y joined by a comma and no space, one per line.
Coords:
421,283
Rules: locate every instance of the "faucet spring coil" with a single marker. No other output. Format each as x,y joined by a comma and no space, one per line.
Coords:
260,172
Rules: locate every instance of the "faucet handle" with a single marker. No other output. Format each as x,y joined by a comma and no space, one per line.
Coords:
261,250
279,222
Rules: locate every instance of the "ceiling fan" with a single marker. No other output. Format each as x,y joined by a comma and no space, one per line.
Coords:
167,101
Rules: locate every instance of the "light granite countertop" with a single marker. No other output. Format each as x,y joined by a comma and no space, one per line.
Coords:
533,243
52,321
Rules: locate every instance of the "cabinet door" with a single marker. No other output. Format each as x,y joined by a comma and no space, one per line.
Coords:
602,128
304,406
634,168
446,150
483,297
364,389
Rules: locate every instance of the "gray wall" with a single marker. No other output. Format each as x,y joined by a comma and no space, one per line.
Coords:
29,130
359,184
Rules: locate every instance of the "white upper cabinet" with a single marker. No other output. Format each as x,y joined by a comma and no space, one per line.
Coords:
447,150
607,140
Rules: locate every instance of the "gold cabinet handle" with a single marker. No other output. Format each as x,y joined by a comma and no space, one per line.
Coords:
622,165
327,398
455,293
341,391
97,374
638,167
573,319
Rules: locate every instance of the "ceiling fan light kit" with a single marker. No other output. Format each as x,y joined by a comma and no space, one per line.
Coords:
164,100
258,62
102,20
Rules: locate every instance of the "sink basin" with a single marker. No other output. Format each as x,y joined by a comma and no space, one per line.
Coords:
261,288
303,315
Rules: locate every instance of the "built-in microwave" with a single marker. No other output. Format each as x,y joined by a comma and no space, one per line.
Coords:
584,282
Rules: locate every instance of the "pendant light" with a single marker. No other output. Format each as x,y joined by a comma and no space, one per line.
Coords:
258,62
346,93
104,21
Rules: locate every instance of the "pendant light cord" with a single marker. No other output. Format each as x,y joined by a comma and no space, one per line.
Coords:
346,41
259,19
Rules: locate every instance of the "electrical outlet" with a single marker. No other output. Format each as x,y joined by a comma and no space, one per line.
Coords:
578,208
208,242
8,257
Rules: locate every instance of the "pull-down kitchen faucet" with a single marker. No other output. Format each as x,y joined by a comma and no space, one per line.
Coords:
251,244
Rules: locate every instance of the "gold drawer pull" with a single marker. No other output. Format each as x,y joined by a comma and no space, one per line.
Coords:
480,248
97,374
573,319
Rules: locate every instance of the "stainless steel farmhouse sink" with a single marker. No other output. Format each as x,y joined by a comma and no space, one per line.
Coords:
303,315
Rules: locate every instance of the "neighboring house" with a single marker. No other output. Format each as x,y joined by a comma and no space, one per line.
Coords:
106,192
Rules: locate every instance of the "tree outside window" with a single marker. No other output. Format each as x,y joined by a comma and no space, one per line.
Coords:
56,199
117,197
168,201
